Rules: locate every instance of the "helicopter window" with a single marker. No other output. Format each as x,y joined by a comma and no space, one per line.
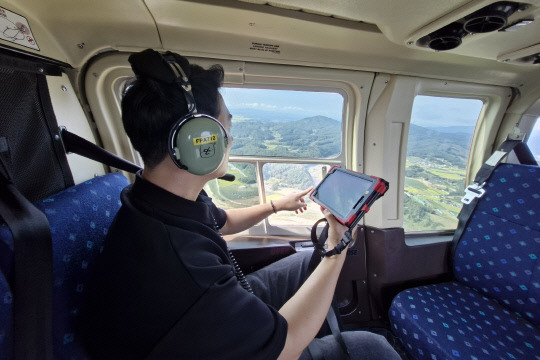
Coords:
438,148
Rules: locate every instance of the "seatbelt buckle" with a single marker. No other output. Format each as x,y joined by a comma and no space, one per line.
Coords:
472,192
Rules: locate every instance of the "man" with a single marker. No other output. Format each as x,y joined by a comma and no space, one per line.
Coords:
166,287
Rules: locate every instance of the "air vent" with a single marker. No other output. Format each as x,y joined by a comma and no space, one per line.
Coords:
447,38
491,18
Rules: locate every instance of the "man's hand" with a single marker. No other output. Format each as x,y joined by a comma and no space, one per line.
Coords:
336,230
293,202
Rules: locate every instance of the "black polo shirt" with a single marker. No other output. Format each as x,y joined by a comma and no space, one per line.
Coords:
165,287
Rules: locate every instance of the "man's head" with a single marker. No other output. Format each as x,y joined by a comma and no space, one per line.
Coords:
154,102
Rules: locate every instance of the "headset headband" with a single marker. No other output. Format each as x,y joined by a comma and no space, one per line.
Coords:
168,68
183,81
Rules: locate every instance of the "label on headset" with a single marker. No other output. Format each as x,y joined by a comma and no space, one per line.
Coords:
205,140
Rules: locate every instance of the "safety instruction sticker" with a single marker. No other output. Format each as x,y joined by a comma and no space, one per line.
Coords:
264,47
15,29
205,140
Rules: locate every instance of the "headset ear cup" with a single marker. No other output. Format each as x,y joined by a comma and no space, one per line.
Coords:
198,144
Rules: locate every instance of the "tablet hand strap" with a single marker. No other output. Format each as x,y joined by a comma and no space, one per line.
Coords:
318,243
342,245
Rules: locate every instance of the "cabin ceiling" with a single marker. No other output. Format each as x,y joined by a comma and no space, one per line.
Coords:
395,19
382,35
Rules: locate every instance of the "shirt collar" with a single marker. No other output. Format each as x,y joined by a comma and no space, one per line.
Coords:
162,202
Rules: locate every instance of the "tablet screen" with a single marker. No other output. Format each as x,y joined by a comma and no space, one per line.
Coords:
340,192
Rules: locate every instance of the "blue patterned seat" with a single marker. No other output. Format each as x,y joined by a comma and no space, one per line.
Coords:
492,309
6,323
79,218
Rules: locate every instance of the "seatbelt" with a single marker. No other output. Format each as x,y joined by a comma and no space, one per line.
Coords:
331,317
315,350
475,191
76,144
32,268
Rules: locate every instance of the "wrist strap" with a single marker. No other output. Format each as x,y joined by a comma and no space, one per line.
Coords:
318,243
342,245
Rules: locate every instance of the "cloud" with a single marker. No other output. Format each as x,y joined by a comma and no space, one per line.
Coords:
253,105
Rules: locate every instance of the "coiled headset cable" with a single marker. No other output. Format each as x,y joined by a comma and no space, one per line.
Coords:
237,270
239,273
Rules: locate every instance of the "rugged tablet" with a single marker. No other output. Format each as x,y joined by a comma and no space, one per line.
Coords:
348,195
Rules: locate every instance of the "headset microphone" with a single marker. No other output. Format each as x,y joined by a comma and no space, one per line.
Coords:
228,177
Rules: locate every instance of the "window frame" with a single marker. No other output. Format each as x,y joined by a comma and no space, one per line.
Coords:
104,77
308,85
443,232
376,116
387,132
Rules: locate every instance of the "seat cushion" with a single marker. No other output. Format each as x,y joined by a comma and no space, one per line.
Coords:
452,321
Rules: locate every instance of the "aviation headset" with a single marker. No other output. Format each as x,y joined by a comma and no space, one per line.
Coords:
197,143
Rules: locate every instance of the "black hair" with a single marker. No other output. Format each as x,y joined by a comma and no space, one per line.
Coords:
150,108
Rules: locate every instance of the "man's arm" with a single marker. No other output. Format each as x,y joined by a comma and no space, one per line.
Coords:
306,310
242,219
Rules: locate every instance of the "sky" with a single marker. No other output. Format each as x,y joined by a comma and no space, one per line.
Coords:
428,111
299,103
433,111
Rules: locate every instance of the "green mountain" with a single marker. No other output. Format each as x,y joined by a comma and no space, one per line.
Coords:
317,136
438,147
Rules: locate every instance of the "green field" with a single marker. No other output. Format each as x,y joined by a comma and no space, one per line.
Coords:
434,172
280,180
415,184
432,195
451,174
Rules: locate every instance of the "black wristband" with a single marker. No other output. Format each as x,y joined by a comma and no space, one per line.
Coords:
273,206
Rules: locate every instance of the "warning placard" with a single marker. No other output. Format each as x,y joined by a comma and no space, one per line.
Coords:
264,47
15,29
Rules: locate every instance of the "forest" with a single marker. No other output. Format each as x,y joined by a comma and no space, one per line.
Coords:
434,177
434,174
317,136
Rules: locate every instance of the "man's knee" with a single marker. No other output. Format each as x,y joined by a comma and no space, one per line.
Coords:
367,345
361,345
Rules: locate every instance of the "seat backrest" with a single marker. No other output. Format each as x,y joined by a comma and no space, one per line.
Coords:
498,252
79,218
6,322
